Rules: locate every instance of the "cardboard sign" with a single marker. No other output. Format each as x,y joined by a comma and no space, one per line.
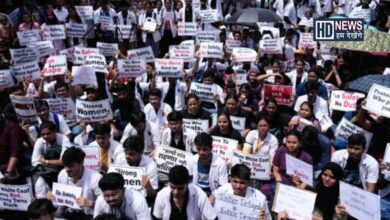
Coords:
168,157
344,101
54,32
242,54
186,29
64,107
97,62
142,53
66,195
204,92
75,30
92,157
85,12
224,147
25,109
24,55
91,111
238,122
211,50
150,25
132,176
55,65
230,44
386,71
208,15
359,203
206,36
306,41
282,94
26,37
125,30
131,68
259,165
346,129
106,23
15,197
298,203
378,100
232,207
184,51
108,49
271,46
172,68
81,53
45,48
303,170
198,125
84,75
6,79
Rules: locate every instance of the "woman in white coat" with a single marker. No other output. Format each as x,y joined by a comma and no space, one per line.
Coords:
150,36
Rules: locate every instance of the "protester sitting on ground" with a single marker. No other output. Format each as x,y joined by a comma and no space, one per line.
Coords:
40,209
224,129
304,118
194,110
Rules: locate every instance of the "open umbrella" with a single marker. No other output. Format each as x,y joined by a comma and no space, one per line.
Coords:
364,83
251,16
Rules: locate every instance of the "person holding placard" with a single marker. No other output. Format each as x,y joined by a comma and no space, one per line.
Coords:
304,118
233,107
224,128
108,13
193,110
150,37
122,202
52,20
74,18
219,97
271,111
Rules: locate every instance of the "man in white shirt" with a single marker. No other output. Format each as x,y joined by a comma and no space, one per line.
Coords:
181,200
297,76
156,110
320,106
119,201
60,12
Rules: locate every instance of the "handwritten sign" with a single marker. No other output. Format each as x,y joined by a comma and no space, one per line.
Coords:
186,29
347,128
81,53
184,51
26,37
299,168
198,125
344,101
208,15
92,157
282,94
141,53
242,54
132,176
106,22
6,79
84,75
24,55
131,68
271,46
224,147
54,32
25,109
169,67
211,50
15,197
45,48
64,107
359,203
168,157
96,61
85,12
259,165
230,44
306,41
55,65
75,30
126,30
66,195
108,49
298,203
203,91
206,36
325,122
378,100
238,122
91,111
232,207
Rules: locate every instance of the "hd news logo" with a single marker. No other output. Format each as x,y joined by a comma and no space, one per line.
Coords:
339,29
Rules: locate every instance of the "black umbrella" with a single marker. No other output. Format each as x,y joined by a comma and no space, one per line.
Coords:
252,15
364,83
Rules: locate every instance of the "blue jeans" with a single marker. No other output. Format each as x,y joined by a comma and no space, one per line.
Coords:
385,207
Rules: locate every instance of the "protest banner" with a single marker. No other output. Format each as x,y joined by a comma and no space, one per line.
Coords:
224,147
54,32
45,48
325,121
306,41
270,29
26,37
386,71
185,50
204,92
85,12
64,107
142,53
211,50
298,203
282,94
347,128
259,165
206,36
80,53
238,122
92,157
25,109
97,62
186,28
108,49
91,111
208,15
55,65
271,46
75,30
131,68
344,101
198,125
125,30
168,157
386,157
104,22
360,203
242,54
84,75
303,170
361,13
378,100
172,68
230,44
132,176
15,197
241,77
6,79
24,55
66,195
232,207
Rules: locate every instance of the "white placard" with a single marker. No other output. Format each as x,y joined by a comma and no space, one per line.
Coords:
84,75
185,50
96,61
230,44
106,23
92,157
241,77
232,207
64,107
271,46
344,101
298,204
169,67
208,15
186,29
378,100
206,36
238,122
198,125
132,176
224,147
360,203
55,65
131,68
54,32
259,165
211,50
91,111
66,195
275,31
6,79
204,92
303,170
26,37
150,25
306,41
24,55
25,109
75,30
168,157
141,53
386,157
361,13
45,48
125,30
85,12
347,128
325,122
108,49
306,22
242,54
15,197
386,71
80,53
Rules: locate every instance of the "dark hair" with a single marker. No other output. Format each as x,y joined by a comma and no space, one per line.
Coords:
192,96
241,171
61,84
204,139
311,143
48,125
178,175
175,116
296,134
73,155
40,207
136,118
101,129
227,115
135,143
105,216
155,92
111,181
357,139
41,103
310,85
245,86
310,105
232,95
262,117
208,73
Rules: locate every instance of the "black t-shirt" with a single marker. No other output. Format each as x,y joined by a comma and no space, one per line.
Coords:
176,213
202,114
351,173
